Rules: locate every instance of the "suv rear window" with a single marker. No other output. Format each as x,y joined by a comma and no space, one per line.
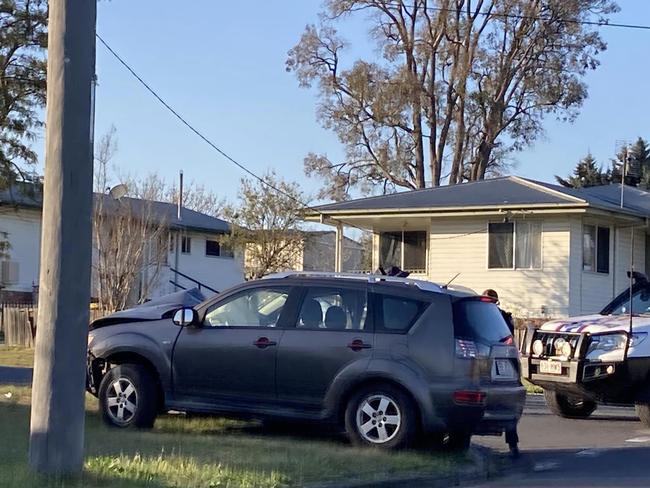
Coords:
479,321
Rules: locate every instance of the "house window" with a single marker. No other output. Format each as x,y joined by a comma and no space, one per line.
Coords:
500,253
515,245
528,245
595,248
406,250
172,242
212,248
186,245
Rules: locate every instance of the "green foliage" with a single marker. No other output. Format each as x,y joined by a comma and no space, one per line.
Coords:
23,41
586,173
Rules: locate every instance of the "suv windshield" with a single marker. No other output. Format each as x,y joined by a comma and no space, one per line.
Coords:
640,303
479,321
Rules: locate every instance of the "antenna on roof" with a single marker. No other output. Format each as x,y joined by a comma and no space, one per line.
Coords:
446,285
180,195
118,191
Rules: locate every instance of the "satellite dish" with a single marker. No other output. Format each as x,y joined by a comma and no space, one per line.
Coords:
118,191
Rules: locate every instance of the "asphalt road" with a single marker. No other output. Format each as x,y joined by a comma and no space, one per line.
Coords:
609,449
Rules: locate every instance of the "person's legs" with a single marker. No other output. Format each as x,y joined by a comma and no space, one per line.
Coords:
512,439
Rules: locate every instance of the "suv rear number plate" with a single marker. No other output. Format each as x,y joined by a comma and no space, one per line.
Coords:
503,369
550,367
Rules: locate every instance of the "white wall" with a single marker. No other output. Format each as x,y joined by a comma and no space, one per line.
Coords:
23,228
591,291
522,292
217,272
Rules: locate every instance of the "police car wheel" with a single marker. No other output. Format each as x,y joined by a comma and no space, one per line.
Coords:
569,406
643,411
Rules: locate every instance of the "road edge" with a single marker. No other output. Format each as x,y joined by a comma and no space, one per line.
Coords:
483,466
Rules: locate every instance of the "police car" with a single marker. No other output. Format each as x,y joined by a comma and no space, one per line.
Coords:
602,358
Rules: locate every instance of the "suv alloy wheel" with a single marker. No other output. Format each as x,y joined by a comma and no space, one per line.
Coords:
128,397
381,416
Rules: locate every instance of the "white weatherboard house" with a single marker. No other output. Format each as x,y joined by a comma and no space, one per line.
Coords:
195,255
549,251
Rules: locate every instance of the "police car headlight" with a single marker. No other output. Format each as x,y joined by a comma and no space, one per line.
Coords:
605,343
567,350
538,347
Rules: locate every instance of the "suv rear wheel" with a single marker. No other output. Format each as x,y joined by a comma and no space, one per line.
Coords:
569,406
381,416
128,397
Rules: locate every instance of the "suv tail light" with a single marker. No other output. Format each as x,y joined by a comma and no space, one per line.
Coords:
463,397
466,349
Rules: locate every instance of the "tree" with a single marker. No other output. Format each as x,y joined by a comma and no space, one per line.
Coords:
130,239
266,225
586,173
639,163
195,196
459,84
23,40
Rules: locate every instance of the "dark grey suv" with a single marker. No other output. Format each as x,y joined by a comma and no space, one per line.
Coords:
386,358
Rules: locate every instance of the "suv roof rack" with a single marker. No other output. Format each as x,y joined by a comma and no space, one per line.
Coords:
369,277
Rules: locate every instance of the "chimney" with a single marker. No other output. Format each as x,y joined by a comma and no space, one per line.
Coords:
180,196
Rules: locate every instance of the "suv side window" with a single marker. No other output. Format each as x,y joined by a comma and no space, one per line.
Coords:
334,309
397,314
257,307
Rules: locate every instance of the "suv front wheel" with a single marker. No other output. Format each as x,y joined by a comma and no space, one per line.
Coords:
128,397
381,416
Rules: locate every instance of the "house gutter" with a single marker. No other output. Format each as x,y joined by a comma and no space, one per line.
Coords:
332,217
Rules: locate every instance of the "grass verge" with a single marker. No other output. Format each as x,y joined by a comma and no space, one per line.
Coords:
205,453
16,356
532,389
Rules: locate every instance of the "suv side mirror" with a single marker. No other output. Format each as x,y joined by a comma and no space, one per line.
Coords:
185,316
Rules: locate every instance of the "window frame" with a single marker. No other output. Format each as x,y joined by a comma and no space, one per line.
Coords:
427,239
186,244
287,310
597,228
304,288
218,248
514,245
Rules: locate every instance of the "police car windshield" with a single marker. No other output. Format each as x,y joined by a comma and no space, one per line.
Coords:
640,304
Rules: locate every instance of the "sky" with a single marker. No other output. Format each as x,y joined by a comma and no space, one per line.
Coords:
221,65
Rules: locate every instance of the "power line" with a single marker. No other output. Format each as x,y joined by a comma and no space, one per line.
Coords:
185,122
604,23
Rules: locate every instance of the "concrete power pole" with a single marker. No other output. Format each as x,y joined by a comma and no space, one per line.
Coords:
57,422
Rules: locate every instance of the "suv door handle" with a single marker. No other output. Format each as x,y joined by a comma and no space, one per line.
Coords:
264,342
358,344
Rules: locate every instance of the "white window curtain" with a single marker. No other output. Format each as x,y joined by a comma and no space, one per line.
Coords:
528,247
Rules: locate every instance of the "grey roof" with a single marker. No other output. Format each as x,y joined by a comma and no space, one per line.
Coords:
168,212
506,191
31,196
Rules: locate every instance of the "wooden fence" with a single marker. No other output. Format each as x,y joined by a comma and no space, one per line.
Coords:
18,323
